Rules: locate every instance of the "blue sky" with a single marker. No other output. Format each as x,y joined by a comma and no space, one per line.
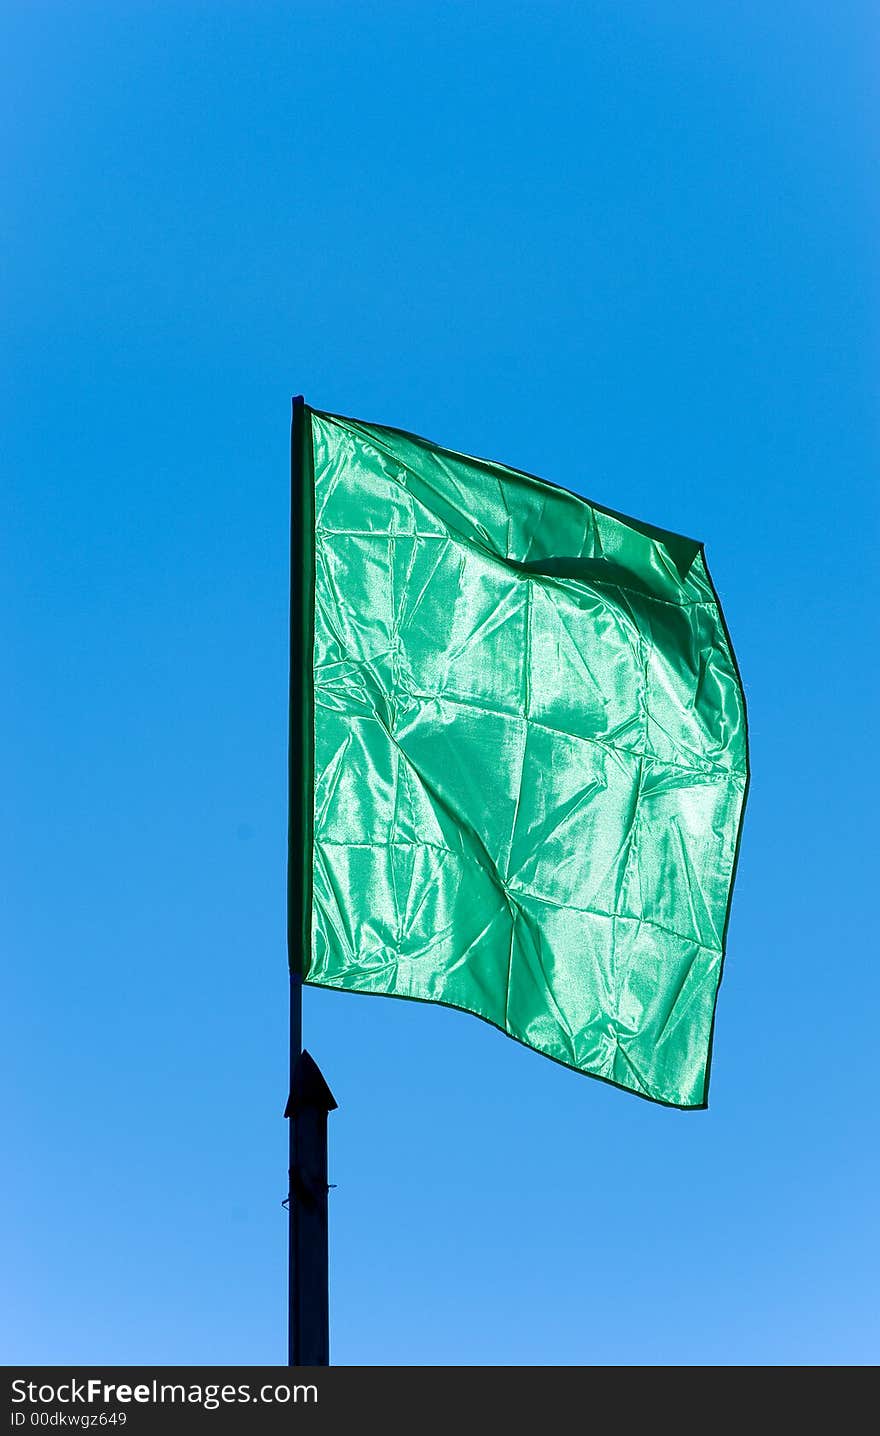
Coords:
631,248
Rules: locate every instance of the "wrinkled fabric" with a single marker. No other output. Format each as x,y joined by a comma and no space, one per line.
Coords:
529,759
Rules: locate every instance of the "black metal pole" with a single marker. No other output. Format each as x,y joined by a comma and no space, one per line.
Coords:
309,1302
309,1099
298,834
293,1313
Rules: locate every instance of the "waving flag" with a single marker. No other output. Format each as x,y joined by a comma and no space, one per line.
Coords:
518,755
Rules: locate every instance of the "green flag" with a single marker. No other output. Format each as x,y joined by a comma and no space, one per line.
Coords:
518,755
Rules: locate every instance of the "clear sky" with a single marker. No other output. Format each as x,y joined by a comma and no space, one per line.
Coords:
629,247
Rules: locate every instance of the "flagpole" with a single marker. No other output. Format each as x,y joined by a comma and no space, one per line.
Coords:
309,1098
293,1315
296,840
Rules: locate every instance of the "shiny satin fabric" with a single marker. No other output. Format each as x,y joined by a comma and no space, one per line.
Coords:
530,759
